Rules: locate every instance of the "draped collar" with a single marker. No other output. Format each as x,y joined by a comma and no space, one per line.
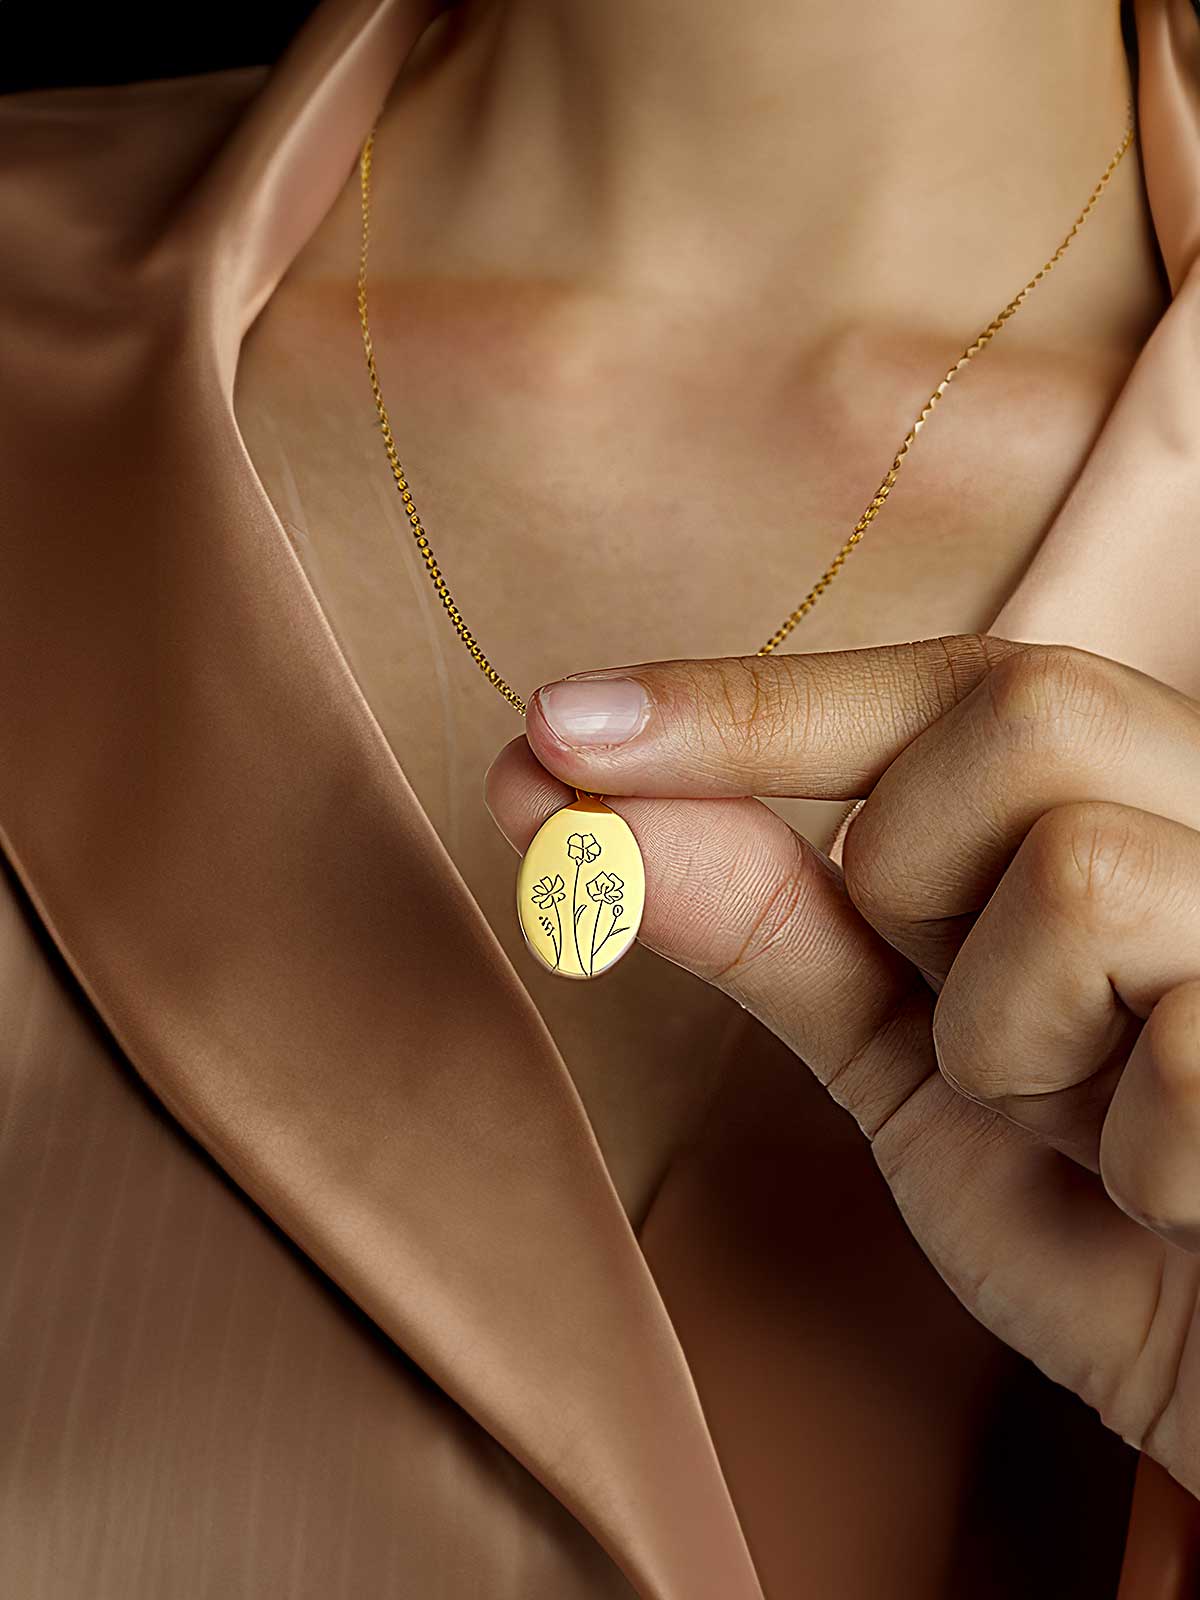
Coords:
220,841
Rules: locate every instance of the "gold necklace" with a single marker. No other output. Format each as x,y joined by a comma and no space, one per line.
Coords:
603,921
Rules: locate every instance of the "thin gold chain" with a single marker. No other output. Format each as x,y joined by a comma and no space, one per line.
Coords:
878,499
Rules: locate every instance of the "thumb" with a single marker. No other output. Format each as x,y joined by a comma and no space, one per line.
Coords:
737,897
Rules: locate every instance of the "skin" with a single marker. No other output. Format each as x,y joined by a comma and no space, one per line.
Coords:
1008,1003
655,299
546,272
578,144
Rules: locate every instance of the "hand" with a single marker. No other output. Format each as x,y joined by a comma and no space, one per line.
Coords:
1001,981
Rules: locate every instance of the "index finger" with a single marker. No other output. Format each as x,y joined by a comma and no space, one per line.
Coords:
824,726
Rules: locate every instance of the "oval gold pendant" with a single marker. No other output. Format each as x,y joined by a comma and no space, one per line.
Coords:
581,889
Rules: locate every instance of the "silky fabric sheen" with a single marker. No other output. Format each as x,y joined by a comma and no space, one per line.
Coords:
267,1163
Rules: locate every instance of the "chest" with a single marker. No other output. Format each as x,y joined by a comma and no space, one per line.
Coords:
598,491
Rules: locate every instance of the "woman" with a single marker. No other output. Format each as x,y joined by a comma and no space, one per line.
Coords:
352,1253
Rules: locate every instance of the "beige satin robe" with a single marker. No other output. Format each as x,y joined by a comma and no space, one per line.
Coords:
314,1280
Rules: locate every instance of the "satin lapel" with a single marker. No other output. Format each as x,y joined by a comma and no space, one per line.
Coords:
1119,571
209,820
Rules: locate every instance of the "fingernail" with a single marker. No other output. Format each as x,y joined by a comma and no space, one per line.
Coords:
594,711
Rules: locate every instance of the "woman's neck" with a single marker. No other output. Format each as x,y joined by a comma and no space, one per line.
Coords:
855,151
844,166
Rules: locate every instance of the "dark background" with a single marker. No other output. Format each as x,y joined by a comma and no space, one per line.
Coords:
46,46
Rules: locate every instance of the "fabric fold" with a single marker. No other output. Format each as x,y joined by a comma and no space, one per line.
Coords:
208,819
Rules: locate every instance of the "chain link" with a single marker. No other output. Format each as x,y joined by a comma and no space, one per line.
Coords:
878,499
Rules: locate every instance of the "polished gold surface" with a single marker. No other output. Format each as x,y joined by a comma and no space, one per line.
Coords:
878,499
580,890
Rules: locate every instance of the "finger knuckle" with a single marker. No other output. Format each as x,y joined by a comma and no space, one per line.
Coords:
962,1044
1092,859
1170,1040
1058,701
1162,1213
1156,1190
1157,1203
948,667
952,1042
873,869
764,708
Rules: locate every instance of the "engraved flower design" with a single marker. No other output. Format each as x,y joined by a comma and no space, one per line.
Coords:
583,847
606,886
547,891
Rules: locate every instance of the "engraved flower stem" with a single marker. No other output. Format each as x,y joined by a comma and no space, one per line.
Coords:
596,948
575,915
